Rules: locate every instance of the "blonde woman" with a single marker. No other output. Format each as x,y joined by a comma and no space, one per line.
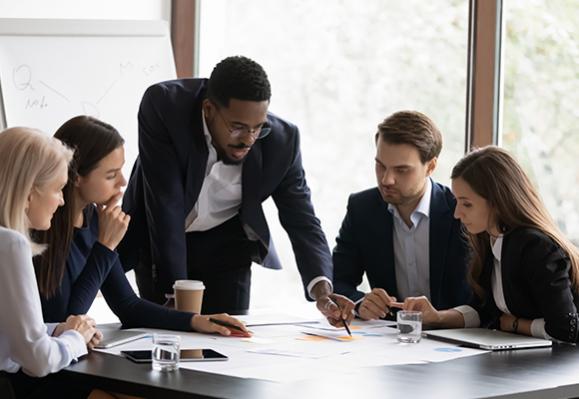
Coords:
33,171
525,273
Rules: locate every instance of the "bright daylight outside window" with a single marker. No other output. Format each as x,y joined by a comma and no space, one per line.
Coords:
541,93
337,69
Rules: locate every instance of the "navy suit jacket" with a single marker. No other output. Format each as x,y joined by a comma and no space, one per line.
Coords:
365,245
168,175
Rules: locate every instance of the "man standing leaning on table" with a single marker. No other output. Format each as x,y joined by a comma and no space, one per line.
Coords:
209,154
402,234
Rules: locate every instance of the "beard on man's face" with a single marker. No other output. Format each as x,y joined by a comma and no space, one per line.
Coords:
227,160
396,197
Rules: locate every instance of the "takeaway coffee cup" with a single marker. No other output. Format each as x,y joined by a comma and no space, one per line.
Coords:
188,295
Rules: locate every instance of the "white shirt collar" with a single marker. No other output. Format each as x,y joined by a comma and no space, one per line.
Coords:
497,247
212,151
205,128
424,204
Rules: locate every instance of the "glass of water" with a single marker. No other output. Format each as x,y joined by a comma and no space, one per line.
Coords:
166,352
409,326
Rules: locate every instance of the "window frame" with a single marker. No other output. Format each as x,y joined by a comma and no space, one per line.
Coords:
484,79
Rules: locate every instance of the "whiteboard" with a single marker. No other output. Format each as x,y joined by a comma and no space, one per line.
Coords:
52,70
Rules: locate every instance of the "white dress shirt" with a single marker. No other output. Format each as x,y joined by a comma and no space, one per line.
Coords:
412,249
471,316
24,338
220,197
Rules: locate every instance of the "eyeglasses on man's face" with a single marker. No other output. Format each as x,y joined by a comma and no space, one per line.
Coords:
258,132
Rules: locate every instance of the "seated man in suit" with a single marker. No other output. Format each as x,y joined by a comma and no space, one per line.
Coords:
209,154
402,234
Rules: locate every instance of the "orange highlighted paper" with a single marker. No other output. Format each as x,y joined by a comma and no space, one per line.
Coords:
322,336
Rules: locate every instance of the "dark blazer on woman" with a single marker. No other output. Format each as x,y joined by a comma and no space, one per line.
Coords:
90,267
536,284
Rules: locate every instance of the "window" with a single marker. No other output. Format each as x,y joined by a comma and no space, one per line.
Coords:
541,93
337,70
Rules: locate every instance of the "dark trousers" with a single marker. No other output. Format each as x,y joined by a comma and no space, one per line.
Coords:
221,258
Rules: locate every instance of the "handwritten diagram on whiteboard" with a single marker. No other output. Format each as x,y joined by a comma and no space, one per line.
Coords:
90,68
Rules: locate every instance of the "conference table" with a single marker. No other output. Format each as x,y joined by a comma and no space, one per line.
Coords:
527,373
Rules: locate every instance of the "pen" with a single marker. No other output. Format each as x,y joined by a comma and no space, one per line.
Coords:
345,324
393,304
346,327
226,324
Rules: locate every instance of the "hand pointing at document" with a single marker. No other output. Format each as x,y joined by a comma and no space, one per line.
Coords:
336,308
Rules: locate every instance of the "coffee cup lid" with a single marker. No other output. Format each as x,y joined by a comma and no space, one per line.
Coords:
189,285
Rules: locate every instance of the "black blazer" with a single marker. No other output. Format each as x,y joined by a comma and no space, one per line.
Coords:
365,245
536,284
168,175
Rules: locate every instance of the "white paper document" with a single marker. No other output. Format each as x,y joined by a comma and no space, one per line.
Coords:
284,353
270,319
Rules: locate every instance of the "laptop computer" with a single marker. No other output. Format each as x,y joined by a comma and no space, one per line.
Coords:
484,338
118,337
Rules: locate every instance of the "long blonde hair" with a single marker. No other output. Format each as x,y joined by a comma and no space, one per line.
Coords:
496,176
29,160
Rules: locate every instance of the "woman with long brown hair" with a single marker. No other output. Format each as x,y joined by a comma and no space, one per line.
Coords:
525,273
81,259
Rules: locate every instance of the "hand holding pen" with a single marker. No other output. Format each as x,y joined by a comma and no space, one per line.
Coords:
430,316
337,309
376,305
219,323
235,330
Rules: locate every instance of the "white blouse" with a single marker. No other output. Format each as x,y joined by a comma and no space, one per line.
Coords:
24,338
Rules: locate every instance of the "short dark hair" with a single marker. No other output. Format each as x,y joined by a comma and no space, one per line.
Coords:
413,128
240,78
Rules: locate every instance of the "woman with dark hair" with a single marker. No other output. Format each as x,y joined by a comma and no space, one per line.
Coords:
525,273
85,232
